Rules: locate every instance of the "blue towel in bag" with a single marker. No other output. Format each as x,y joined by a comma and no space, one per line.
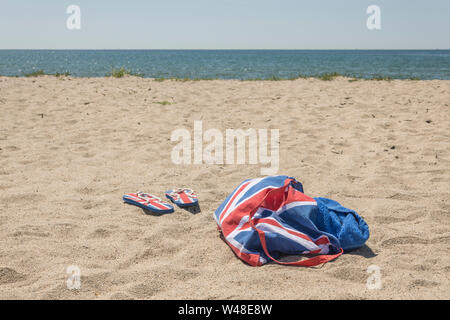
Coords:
345,224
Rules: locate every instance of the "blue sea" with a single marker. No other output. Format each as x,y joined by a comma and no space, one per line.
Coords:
231,64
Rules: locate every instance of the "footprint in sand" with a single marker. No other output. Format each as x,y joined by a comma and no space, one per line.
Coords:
155,248
8,275
85,191
91,205
100,233
39,234
402,196
422,283
158,251
147,290
358,275
389,219
392,242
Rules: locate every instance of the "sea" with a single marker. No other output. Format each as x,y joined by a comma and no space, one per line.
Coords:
231,64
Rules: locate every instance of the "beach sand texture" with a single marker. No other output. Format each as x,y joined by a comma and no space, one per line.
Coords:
71,147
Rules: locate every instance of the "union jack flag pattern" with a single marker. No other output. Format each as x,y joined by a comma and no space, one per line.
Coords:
266,218
182,197
148,202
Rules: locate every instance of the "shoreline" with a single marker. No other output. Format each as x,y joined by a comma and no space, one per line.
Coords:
324,77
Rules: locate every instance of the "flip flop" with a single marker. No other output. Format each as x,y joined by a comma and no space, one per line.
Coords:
148,202
182,197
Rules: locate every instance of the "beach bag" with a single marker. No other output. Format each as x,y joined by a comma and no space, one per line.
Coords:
268,218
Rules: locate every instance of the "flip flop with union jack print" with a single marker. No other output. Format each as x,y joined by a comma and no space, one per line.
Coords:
148,202
182,197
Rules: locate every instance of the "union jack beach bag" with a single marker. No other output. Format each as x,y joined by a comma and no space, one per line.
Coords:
264,219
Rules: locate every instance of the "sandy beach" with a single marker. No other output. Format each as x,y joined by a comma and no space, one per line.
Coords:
71,147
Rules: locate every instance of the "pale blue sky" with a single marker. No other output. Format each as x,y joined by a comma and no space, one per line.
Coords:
225,24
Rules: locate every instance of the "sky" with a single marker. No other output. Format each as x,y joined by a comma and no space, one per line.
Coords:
225,24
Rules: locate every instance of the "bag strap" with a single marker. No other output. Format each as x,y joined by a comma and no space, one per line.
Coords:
310,262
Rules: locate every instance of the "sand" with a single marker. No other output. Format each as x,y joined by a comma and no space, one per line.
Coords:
71,147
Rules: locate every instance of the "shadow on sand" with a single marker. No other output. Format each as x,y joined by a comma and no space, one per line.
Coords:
364,251
194,210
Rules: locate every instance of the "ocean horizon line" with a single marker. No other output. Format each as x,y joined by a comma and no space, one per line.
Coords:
212,49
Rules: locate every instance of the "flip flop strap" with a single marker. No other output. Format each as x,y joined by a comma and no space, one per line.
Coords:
176,191
148,197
